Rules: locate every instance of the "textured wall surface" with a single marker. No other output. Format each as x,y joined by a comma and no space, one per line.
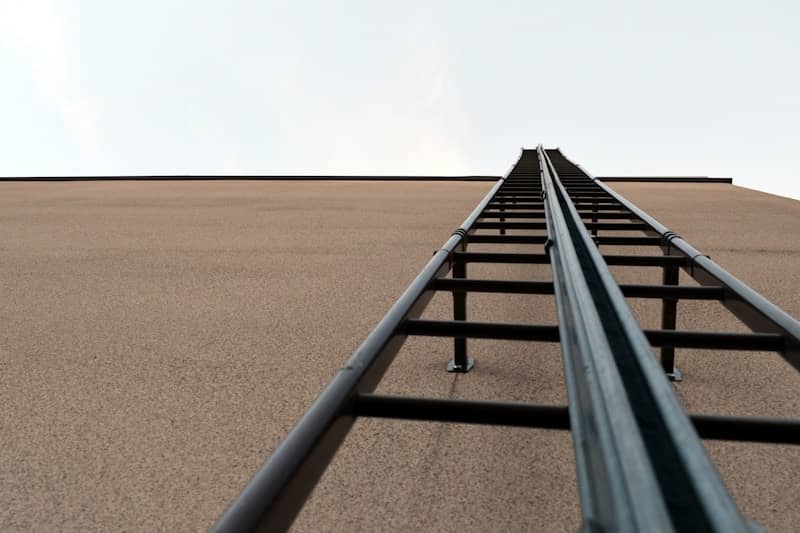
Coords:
157,342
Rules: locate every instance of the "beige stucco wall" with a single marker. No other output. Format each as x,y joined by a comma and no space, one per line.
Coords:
158,340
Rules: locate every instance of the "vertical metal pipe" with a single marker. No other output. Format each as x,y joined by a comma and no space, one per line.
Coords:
669,317
502,219
460,362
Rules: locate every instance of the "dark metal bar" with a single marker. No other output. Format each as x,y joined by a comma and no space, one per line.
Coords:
600,205
463,411
528,206
540,214
501,216
669,317
615,226
590,200
592,195
493,286
542,259
628,241
481,330
764,342
508,239
747,429
546,287
681,292
580,201
497,257
739,428
460,361
517,206
518,196
608,226
595,215
644,260
510,225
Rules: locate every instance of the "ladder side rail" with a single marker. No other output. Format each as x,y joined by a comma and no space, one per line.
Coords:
617,486
634,427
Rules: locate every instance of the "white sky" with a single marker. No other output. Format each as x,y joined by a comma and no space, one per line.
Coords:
625,88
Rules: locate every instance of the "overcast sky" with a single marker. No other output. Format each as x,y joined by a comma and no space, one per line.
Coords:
624,88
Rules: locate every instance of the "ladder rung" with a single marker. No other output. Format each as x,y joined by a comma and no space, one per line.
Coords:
546,287
493,286
481,330
628,241
680,292
528,206
463,411
541,239
520,206
513,214
757,342
510,225
543,259
767,342
541,214
608,216
747,428
501,258
714,427
647,260
508,239
582,198
608,205
517,196
617,226
609,226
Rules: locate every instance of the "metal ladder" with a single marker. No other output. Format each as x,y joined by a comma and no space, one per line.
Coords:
641,465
